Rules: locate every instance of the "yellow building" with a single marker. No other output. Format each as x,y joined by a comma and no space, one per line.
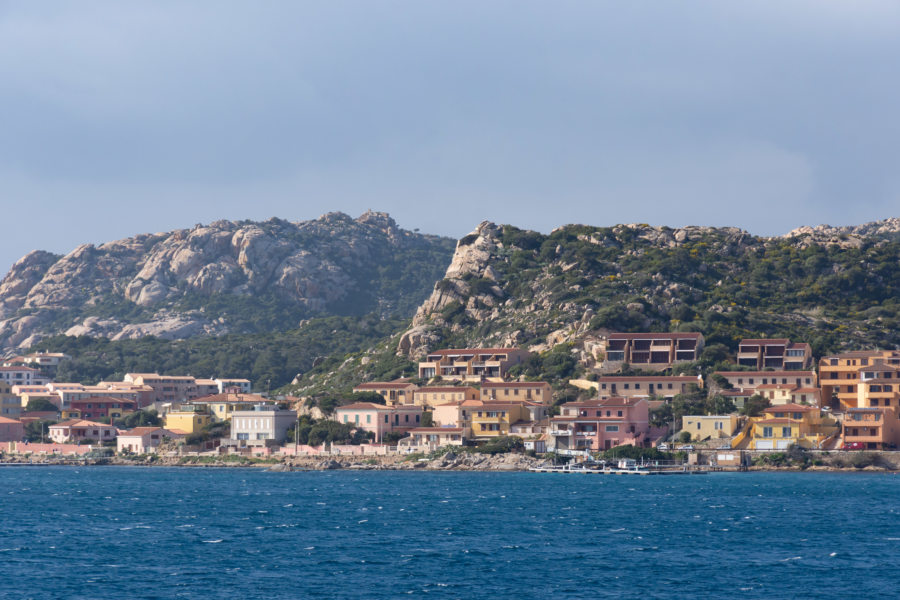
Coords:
187,421
788,424
220,406
840,374
493,419
704,427
435,396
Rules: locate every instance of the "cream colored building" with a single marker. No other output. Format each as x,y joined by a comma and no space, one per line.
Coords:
704,427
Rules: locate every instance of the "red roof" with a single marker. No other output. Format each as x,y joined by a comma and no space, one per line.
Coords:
514,384
436,429
655,336
789,408
629,378
765,341
454,352
6,420
385,385
765,373
447,389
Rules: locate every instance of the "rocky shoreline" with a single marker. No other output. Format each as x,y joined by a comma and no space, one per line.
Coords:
463,461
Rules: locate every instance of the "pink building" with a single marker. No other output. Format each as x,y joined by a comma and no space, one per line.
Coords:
76,430
379,419
11,430
601,424
142,440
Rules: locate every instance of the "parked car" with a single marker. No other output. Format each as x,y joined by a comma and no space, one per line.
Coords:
853,446
664,446
687,447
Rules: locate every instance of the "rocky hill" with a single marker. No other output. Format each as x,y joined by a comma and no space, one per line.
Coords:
833,287
225,277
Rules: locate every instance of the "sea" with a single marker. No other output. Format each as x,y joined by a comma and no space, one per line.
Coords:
139,532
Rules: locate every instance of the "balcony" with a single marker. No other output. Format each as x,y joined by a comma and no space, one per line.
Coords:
561,432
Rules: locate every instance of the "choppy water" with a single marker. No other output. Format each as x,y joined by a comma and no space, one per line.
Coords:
108,532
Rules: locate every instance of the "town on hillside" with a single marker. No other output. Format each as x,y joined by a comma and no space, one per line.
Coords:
774,398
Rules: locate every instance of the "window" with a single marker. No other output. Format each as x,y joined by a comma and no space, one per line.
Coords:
767,432
356,419
627,386
620,413
637,386
786,432
406,418
750,381
612,428
698,425
386,418
608,413
670,386
603,386
797,416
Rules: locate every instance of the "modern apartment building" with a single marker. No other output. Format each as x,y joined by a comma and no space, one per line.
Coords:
393,392
529,391
776,353
470,364
839,374
434,396
750,380
654,351
600,424
610,386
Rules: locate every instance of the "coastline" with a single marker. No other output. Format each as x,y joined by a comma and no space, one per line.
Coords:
446,462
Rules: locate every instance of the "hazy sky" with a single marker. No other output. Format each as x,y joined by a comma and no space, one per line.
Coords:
127,117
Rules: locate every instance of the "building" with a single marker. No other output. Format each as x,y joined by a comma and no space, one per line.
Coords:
871,429
238,386
879,385
779,393
620,386
393,392
10,404
776,353
430,397
654,351
749,380
705,427
495,419
102,407
379,419
166,388
471,364
428,439
20,375
222,406
455,414
595,425
839,374
45,360
791,424
262,426
189,419
11,430
144,440
529,391
79,430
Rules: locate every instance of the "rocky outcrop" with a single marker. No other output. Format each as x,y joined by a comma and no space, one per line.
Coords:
140,286
849,235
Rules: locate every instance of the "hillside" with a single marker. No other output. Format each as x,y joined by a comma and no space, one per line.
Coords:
833,287
222,278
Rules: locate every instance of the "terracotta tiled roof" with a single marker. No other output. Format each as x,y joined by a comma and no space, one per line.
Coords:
654,336
513,384
385,385
789,408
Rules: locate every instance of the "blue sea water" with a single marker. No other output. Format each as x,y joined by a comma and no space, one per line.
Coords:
120,532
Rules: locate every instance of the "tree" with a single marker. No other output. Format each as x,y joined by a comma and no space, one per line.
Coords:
719,405
141,418
35,431
754,405
372,397
427,419
40,405
684,437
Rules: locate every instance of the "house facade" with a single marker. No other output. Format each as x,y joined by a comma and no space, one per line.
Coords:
393,392
705,427
871,429
471,364
428,439
144,440
379,419
430,397
652,351
511,391
11,430
789,424
595,425
776,353
78,430
261,426
495,419
839,374
620,386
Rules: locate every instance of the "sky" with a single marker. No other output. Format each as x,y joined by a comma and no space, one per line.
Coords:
118,118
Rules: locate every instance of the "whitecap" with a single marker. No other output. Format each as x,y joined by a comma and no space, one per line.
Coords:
363,521
212,541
